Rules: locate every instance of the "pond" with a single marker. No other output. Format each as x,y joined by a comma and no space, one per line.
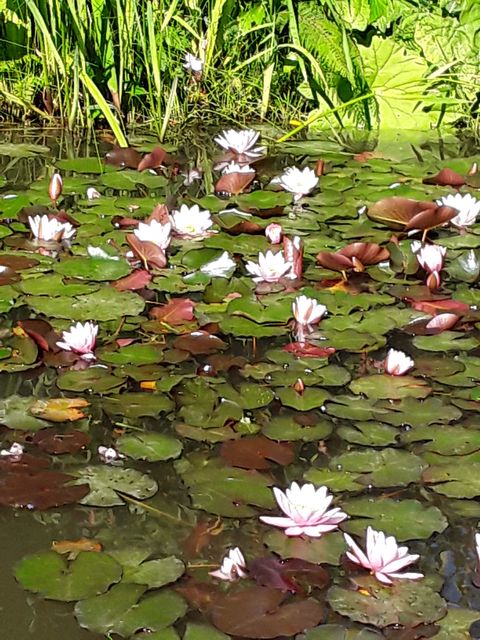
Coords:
164,383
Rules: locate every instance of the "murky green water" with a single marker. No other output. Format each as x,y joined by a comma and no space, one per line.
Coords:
214,383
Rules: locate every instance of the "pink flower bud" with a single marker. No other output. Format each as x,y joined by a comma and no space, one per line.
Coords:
55,188
274,233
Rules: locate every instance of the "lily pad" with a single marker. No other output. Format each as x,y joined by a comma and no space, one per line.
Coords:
327,549
107,483
50,575
155,573
123,611
96,269
149,446
405,603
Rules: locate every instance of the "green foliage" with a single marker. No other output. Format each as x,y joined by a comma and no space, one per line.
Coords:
122,61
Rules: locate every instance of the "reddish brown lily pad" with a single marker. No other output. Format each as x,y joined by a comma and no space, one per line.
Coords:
445,178
17,263
406,213
354,256
55,442
234,183
199,342
256,453
284,575
157,158
38,489
149,253
41,332
176,312
123,157
258,612
136,280
308,350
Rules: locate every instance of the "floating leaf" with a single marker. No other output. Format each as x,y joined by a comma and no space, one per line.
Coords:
256,453
50,575
149,446
107,483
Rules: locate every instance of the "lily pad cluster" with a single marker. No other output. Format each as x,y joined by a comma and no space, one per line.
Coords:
200,397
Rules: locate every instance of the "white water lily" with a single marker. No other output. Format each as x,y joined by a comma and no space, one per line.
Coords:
270,268
92,193
467,206
156,232
429,256
98,252
109,455
307,311
240,142
14,453
191,222
299,182
191,175
48,229
233,566
192,63
80,338
233,167
221,267
397,363
274,233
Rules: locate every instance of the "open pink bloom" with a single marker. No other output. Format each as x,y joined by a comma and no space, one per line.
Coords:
397,363
80,339
442,322
306,511
384,558
233,566
430,257
270,268
274,233
307,311
293,251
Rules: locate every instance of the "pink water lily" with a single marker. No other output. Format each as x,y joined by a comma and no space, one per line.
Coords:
270,268
80,339
306,511
397,363
307,311
383,557
274,233
233,566
430,257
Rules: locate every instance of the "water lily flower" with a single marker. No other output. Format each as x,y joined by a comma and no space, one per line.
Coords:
233,167
220,267
55,188
109,455
156,232
307,311
80,339
293,250
477,547
430,257
270,268
192,63
384,558
98,252
233,566
240,142
442,322
48,229
14,453
191,175
397,363
92,193
467,206
299,182
306,511
274,233
190,222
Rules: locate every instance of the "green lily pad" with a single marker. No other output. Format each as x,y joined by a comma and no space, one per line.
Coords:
456,624
196,631
15,414
454,480
134,354
94,379
155,573
404,519
105,304
244,327
96,269
288,429
83,165
149,446
369,434
310,398
136,404
123,611
52,284
446,341
405,602
226,491
386,468
327,549
106,482
129,180
449,441
391,387
50,575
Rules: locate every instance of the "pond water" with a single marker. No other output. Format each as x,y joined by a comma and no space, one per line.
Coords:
212,394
